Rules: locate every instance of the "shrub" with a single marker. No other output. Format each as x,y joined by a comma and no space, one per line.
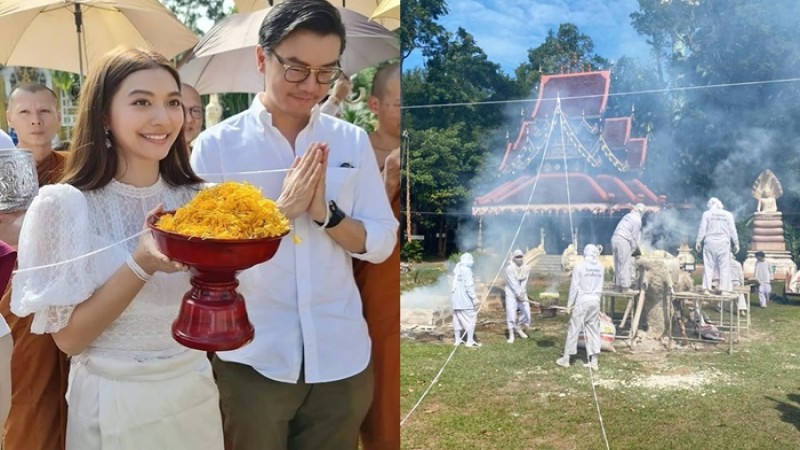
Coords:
411,251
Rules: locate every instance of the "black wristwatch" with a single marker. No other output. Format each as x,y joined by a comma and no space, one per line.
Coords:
335,215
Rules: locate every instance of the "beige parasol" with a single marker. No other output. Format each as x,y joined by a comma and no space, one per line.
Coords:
363,7
224,61
69,35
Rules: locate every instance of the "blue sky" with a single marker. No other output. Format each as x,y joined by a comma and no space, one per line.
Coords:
506,29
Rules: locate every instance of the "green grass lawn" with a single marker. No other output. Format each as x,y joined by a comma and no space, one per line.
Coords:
505,396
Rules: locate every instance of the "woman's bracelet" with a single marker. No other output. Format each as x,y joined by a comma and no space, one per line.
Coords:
137,269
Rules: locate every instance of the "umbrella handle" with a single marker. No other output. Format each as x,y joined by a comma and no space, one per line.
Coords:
361,95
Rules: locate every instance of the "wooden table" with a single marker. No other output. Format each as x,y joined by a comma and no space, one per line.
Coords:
633,311
696,299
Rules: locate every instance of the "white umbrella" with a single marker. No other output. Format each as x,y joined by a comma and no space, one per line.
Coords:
69,35
363,7
224,60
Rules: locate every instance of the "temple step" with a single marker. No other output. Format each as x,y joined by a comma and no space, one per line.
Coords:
550,264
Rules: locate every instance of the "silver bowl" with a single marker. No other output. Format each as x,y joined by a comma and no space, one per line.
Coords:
19,182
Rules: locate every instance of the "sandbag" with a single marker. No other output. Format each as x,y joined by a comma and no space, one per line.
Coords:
607,334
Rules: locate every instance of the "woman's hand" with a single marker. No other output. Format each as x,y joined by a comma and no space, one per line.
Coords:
149,257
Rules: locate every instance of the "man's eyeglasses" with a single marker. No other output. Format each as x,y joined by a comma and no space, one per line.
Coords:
196,112
298,74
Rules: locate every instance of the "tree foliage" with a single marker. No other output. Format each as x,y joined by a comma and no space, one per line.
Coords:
457,71
191,11
721,137
419,29
565,51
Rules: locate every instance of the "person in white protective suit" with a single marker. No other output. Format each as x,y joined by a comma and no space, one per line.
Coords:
717,232
516,275
623,243
737,280
584,308
463,297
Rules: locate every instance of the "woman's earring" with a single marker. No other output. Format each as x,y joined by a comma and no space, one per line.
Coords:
108,137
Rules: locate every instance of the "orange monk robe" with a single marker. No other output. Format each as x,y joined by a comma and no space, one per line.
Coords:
379,285
38,416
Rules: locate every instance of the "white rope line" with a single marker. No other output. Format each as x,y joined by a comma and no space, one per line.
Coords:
77,258
430,386
561,121
615,94
496,276
596,400
254,172
594,391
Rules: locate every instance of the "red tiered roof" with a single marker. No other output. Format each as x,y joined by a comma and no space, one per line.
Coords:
581,99
617,134
603,194
580,93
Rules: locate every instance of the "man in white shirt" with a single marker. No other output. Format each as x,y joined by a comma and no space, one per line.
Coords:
193,113
764,274
304,382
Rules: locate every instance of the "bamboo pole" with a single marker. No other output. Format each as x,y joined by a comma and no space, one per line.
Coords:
639,306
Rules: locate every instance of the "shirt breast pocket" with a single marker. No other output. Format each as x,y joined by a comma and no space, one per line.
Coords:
340,186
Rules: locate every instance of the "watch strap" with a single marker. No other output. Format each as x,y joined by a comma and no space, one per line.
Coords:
333,216
336,215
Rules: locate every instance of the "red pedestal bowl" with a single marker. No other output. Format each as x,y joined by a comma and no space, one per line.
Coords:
213,316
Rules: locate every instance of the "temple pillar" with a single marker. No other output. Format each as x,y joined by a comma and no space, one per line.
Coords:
480,234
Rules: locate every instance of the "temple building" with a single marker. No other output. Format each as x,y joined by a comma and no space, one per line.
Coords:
568,156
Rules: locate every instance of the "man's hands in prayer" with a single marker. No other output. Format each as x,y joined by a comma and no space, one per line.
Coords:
302,183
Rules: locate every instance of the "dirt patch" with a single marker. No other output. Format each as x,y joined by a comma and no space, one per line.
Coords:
688,380
678,378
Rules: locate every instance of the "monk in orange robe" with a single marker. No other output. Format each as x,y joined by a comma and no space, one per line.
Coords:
38,416
379,284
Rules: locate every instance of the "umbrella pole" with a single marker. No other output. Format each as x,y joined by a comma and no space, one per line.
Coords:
408,189
78,27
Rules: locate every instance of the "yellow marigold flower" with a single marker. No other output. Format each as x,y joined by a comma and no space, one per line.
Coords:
229,210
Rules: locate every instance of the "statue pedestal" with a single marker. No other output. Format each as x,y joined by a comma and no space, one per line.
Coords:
768,238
